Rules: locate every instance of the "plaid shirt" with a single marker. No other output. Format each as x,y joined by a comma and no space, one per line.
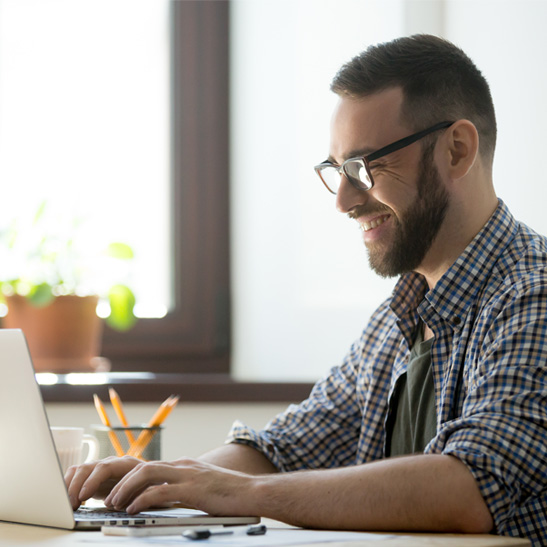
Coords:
489,361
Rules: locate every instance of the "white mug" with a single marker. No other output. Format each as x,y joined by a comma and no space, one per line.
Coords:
69,443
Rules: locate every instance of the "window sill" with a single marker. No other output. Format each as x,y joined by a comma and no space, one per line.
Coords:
149,387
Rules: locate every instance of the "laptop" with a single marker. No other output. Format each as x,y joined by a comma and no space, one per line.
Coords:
32,487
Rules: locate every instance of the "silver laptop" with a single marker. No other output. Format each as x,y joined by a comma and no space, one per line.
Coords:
32,488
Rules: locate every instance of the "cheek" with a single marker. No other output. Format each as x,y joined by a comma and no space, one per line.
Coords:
396,187
396,183
396,195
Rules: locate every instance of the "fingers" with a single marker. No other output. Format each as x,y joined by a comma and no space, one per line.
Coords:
69,481
74,479
191,483
161,495
96,479
143,477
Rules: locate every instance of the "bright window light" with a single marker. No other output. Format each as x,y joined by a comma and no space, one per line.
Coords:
47,378
84,104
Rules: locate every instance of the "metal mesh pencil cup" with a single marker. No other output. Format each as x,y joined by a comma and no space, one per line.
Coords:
106,449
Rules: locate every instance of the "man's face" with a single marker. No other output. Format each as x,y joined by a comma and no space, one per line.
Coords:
401,215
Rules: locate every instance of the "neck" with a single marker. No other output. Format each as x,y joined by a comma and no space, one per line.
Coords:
428,333
462,223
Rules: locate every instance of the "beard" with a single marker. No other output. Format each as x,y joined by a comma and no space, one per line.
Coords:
417,226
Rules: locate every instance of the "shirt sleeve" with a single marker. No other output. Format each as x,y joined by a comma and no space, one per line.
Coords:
501,434
322,431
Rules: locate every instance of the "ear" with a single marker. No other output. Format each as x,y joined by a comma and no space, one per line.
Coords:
462,140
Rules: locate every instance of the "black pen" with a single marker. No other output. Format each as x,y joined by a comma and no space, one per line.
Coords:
255,530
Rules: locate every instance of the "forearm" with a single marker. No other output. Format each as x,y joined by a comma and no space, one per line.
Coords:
239,457
423,492
412,493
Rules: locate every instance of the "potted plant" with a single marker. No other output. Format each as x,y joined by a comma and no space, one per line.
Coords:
54,280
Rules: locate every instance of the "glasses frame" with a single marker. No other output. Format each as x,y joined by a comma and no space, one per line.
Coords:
384,151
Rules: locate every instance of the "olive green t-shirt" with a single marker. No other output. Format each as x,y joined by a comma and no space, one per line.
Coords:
413,418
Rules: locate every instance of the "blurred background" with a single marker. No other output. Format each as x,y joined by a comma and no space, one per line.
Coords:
86,123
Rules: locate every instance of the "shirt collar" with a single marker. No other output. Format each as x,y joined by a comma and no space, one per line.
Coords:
458,287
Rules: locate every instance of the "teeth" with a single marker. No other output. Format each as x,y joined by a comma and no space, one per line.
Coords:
366,226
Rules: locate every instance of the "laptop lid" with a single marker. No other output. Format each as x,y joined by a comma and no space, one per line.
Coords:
32,487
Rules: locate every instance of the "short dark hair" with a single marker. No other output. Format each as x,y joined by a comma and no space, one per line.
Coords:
439,82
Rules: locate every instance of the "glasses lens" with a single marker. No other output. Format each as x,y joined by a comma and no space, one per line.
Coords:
358,173
331,177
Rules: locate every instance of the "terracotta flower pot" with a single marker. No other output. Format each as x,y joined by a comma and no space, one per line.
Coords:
64,336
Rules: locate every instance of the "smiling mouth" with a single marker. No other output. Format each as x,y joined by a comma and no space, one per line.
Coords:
367,226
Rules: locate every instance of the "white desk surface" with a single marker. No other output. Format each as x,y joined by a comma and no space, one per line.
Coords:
13,535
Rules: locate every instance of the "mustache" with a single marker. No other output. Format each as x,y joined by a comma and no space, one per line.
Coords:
364,210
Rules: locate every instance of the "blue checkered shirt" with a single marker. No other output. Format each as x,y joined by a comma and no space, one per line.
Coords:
489,362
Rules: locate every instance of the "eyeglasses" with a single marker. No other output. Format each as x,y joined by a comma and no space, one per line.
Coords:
358,171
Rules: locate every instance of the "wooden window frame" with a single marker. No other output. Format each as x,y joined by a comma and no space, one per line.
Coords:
195,336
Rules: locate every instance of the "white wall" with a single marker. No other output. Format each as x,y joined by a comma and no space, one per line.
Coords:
190,430
508,42
301,283
301,286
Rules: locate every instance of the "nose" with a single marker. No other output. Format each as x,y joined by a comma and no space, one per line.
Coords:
348,197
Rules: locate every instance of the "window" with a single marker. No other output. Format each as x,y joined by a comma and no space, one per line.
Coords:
63,65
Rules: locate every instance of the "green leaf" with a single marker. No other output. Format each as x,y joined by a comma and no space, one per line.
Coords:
120,250
122,303
40,212
41,295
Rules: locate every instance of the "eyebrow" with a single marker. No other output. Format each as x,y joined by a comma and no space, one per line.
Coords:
353,154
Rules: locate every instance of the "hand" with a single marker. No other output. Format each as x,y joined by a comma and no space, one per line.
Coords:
96,479
190,483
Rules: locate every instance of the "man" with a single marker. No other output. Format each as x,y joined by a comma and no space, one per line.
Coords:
436,419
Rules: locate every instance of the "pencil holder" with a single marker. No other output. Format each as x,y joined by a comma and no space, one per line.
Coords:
114,441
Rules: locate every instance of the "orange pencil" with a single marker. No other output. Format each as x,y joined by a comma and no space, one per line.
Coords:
157,419
160,414
106,422
118,407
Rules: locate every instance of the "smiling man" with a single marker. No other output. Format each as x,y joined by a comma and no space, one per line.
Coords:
436,420
399,226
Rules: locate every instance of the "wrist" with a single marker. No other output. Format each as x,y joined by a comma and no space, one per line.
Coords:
261,495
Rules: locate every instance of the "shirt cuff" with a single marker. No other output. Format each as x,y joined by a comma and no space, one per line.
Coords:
259,440
487,467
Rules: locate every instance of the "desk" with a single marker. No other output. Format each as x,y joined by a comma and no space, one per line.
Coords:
13,535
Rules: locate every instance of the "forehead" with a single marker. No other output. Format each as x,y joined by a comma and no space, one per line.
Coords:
365,124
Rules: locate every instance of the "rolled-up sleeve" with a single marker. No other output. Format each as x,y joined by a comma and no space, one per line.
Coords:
322,431
501,434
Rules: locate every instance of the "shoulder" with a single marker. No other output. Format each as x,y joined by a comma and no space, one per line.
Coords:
522,267
516,294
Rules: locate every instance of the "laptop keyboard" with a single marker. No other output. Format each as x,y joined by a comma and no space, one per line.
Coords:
103,513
